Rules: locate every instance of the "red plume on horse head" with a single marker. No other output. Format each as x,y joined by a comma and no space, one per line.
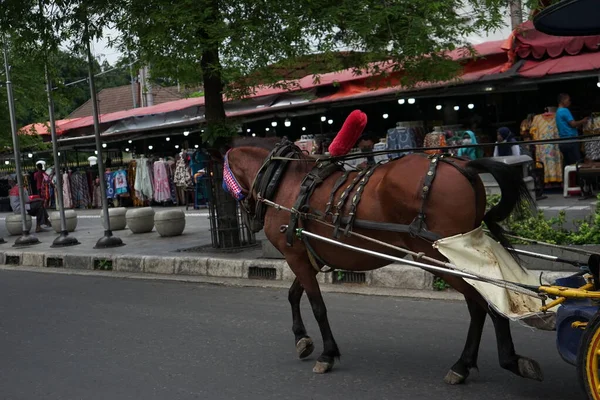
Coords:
347,136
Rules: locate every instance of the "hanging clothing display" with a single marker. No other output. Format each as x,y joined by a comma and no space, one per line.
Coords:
67,198
110,185
162,191
143,180
592,127
131,177
183,177
120,182
400,138
79,190
543,127
434,139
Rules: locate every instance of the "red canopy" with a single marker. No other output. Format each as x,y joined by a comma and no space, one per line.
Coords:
562,65
529,42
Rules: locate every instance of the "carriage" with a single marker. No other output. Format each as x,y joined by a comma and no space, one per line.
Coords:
433,208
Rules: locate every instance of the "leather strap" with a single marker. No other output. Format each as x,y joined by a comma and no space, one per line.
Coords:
320,172
418,224
356,199
338,184
339,207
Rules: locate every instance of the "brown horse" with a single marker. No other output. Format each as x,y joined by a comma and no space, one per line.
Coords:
456,204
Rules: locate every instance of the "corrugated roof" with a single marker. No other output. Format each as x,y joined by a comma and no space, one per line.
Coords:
120,98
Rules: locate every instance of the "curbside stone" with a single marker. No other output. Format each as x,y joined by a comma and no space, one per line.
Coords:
128,264
192,266
33,259
159,265
226,268
401,277
78,262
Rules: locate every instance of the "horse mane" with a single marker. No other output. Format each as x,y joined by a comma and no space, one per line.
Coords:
269,144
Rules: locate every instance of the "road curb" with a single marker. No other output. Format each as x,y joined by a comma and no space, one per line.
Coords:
394,277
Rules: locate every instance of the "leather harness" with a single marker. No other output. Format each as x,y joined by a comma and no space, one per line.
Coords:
269,177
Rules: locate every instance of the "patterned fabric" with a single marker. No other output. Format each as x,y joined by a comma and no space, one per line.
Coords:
67,198
230,184
543,127
162,191
434,139
592,127
120,179
79,190
131,175
182,174
399,139
110,185
143,180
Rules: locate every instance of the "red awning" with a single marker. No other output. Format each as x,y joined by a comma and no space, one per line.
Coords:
529,42
562,65
44,128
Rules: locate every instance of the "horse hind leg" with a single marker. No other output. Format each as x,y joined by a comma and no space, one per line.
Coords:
304,344
468,359
509,359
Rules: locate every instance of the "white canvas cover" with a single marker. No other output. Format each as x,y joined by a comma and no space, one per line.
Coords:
476,252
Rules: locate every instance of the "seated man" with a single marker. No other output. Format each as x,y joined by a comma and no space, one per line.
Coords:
34,208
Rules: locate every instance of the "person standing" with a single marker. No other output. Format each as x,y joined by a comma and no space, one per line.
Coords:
38,178
567,128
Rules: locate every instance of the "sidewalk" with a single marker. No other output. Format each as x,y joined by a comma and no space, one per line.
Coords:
191,257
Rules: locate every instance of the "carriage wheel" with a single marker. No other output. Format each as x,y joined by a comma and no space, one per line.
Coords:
588,359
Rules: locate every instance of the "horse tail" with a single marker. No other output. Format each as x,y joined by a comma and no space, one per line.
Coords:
514,196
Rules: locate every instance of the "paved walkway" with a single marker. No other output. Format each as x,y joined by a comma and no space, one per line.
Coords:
90,229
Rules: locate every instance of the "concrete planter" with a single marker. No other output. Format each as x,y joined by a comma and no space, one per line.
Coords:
71,219
14,225
170,222
140,220
117,218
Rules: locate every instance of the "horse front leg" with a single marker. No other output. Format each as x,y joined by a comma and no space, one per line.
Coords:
307,277
509,359
304,344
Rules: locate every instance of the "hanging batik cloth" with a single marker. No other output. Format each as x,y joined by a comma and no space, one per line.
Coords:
543,127
162,191
143,180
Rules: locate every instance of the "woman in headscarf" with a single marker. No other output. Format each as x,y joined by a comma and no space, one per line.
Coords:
472,153
506,144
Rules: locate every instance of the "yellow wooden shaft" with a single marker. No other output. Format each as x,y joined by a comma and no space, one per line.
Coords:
581,293
562,299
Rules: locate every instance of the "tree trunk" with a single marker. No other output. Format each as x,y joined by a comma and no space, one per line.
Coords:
225,213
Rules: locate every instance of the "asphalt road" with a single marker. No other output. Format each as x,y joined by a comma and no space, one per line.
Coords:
81,337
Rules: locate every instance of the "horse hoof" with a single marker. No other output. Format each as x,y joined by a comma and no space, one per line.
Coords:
530,369
304,347
322,367
454,378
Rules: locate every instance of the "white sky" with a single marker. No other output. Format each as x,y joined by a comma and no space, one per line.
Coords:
102,51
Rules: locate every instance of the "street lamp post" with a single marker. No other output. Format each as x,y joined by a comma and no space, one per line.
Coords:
108,240
64,239
26,238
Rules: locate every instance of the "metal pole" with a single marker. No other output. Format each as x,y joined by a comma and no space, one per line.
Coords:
26,238
133,91
108,240
64,239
